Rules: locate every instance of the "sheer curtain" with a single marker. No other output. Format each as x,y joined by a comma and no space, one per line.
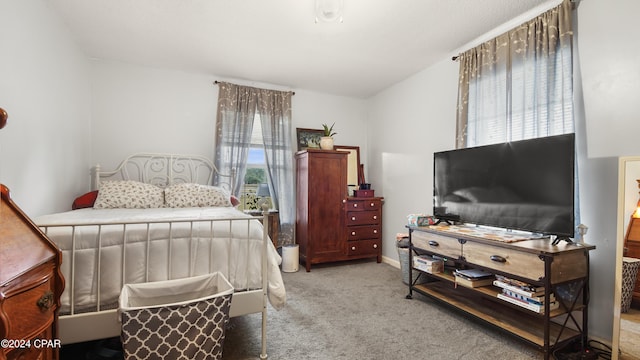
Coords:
236,111
274,108
237,107
520,84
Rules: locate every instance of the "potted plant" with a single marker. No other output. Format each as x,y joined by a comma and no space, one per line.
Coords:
326,141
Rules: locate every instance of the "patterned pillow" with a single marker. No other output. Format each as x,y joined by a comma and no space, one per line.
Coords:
128,194
195,195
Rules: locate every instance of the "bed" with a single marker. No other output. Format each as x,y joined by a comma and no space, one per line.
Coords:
156,218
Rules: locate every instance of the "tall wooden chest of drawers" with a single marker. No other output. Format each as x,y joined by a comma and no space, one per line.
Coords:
30,286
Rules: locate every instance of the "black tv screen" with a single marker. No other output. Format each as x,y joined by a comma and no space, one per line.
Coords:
521,185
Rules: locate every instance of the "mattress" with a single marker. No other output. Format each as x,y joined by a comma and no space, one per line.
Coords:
177,244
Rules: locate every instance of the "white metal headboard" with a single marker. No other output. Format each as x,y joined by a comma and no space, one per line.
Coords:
163,170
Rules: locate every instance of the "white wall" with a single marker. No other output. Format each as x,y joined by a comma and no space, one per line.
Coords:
141,109
45,89
407,123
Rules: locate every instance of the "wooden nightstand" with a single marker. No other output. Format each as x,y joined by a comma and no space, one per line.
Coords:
274,224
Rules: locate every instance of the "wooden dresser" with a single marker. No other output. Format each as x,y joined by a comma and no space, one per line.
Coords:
363,225
330,226
30,286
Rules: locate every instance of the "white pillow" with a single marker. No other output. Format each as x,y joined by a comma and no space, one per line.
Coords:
128,194
196,195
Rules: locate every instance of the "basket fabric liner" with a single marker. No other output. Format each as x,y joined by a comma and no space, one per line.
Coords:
176,319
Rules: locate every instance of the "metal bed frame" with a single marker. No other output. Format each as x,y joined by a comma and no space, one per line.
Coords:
162,170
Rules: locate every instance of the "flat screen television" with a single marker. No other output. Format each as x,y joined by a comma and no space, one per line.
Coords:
523,185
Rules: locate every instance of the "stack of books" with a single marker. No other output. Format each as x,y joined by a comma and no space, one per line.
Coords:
473,278
523,294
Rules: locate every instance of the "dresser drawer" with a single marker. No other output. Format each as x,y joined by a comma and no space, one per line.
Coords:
363,218
508,260
45,348
363,205
32,310
441,245
364,247
363,232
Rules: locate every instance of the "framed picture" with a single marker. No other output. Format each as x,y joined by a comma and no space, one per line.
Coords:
309,138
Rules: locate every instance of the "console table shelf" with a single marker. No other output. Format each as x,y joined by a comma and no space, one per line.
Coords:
533,260
524,325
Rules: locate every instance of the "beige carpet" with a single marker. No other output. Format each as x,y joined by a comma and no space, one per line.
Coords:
358,310
630,335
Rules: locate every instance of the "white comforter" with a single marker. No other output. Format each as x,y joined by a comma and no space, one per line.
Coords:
166,251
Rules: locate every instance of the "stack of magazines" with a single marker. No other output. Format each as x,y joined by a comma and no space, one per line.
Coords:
523,294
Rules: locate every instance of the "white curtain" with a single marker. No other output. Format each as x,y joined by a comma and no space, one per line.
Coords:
237,107
520,84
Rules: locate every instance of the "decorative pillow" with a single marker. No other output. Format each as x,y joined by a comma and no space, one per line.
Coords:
85,201
195,195
128,194
234,201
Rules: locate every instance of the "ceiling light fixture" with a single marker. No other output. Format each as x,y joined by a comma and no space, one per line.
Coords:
329,11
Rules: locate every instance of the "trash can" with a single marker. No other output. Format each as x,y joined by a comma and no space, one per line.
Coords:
629,276
402,244
290,258
175,319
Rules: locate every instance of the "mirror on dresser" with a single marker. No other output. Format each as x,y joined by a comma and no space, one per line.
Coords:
626,324
353,165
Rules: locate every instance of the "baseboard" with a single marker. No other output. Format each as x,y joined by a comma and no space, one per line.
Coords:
393,262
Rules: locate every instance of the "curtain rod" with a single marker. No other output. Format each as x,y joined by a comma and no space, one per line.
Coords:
574,4
216,82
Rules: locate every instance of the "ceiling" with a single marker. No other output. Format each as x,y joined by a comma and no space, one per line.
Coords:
278,42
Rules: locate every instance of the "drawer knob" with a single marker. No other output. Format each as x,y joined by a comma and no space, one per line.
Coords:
375,246
498,258
46,301
353,218
353,248
353,233
355,205
433,243
375,231
372,204
375,217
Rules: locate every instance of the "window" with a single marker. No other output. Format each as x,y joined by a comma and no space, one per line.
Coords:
527,100
255,187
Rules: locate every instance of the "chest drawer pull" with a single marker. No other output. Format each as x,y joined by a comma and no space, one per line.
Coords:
498,258
46,301
433,243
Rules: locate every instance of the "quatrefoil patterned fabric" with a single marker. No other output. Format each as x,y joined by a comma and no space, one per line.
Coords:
184,332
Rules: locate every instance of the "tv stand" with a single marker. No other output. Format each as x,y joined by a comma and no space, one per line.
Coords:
562,270
449,219
559,239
